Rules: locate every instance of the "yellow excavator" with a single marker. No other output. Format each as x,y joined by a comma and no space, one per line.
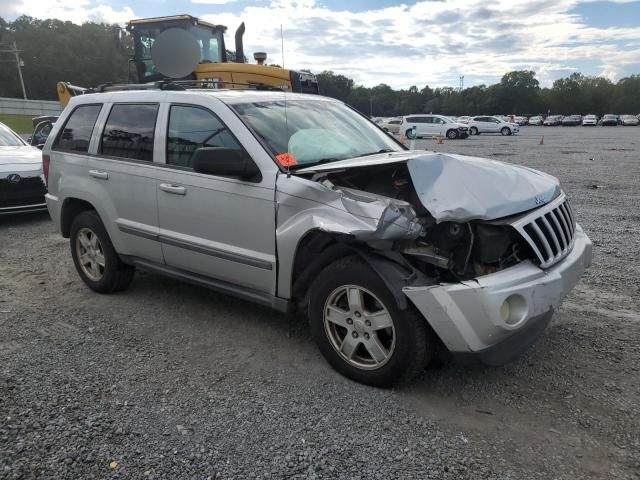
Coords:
184,48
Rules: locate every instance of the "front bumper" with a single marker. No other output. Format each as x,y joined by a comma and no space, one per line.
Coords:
470,317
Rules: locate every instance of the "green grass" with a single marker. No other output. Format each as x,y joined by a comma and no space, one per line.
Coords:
17,123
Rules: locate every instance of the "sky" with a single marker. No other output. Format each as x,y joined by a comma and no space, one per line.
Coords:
403,43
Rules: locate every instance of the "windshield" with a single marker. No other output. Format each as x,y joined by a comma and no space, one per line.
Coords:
9,139
314,131
209,44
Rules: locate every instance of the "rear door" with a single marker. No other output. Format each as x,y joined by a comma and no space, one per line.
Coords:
218,227
123,177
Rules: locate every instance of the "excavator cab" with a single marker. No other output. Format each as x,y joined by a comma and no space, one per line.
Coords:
209,40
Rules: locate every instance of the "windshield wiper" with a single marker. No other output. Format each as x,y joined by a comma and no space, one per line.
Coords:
383,150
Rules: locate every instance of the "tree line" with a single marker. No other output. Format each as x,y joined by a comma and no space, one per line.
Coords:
89,55
518,92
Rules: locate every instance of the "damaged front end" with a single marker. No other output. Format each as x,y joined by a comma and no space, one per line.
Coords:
387,206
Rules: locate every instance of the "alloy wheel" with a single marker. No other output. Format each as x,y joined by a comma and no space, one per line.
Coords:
359,327
90,254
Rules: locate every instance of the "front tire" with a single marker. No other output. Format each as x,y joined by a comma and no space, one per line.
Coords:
452,134
505,131
360,329
474,131
96,261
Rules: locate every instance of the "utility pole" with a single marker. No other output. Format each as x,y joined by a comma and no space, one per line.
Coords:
19,64
370,104
13,49
461,82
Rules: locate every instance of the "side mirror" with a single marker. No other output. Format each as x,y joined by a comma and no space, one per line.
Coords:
40,146
29,139
225,162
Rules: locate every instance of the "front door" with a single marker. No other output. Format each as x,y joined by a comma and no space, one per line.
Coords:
218,227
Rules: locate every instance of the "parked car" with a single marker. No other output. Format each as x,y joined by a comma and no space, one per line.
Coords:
536,121
590,120
428,125
572,121
609,120
483,124
521,121
553,121
41,128
22,186
464,119
384,249
630,121
391,125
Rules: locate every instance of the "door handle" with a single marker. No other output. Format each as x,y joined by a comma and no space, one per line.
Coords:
99,174
175,189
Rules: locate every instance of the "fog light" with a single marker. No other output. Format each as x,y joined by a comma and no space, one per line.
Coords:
514,309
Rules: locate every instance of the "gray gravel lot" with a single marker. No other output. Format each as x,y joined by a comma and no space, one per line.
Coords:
168,380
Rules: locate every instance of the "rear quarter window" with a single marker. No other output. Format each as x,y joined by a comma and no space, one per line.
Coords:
76,133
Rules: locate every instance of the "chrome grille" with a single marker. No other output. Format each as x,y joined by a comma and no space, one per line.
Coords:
549,230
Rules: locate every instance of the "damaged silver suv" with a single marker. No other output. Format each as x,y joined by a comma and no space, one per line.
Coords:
302,204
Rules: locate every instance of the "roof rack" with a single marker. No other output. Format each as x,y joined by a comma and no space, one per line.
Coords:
179,85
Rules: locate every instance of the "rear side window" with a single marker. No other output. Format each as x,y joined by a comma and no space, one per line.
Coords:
419,119
191,128
76,133
129,132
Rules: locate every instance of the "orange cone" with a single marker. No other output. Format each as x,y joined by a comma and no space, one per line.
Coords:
403,139
440,140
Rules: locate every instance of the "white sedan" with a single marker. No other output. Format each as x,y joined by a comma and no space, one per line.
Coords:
479,125
630,121
22,186
590,121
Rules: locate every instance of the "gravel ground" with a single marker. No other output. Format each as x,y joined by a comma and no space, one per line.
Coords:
169,380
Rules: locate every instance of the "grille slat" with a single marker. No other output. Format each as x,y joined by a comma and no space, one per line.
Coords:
549,231
554,235
563,235
543,239
565,226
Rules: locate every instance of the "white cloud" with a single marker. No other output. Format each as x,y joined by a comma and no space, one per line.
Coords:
434,42
214,2
76,11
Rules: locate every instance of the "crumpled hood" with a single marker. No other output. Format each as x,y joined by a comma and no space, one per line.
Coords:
460,188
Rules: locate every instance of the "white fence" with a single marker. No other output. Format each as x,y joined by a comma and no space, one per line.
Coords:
18,106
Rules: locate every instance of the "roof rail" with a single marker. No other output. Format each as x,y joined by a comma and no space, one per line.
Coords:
179,85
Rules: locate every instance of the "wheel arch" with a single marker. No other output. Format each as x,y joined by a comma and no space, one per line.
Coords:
318,249
71,208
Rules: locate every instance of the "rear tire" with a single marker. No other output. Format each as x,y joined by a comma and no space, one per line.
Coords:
505,131
474,131
344,296
96,261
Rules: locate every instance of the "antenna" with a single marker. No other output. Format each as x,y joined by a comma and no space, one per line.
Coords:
286,119
282,45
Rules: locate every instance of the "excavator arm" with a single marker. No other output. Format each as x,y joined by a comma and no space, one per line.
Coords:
66,91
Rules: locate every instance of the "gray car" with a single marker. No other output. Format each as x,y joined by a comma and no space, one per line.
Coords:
22,186
300,203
